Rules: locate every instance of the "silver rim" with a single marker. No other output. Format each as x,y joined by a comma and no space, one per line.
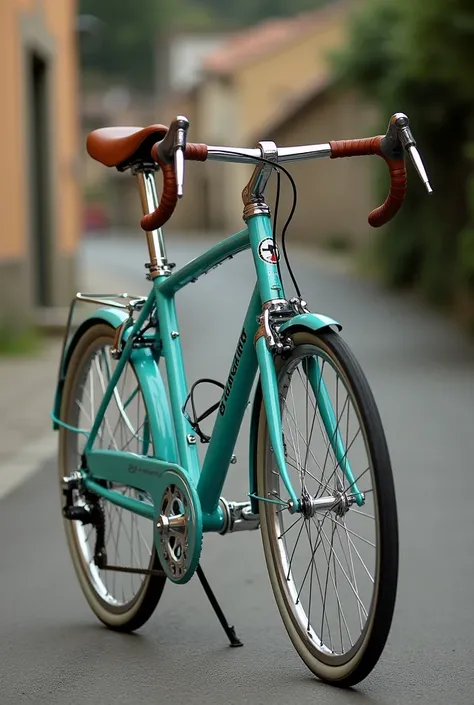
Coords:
128,537
326,562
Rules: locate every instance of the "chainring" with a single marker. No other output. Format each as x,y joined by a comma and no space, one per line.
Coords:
178,527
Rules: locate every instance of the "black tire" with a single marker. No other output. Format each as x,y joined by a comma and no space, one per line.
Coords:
133,614
341,669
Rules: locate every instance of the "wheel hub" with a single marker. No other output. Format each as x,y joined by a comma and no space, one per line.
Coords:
339,503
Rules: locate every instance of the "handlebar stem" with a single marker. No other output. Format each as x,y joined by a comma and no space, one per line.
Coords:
254,190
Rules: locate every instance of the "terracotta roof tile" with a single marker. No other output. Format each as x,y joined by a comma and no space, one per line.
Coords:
265,37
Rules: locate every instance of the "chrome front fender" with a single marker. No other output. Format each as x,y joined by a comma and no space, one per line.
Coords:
309,321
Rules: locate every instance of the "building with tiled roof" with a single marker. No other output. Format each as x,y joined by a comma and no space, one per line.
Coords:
274,81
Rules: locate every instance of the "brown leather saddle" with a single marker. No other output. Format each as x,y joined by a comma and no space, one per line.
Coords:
123,146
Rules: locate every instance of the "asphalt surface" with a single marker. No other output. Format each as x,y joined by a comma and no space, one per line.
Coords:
53,651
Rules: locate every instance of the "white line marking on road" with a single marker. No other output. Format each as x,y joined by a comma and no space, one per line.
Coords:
16,470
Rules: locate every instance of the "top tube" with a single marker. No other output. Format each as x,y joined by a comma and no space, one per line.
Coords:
285,154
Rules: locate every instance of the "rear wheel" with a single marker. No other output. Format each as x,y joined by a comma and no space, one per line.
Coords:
122,600
333,568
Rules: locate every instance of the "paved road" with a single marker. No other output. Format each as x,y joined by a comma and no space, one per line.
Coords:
421,369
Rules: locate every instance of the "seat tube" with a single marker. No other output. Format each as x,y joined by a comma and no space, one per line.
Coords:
158,265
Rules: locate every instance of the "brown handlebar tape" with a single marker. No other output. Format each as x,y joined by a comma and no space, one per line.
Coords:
396,194
168,200
356,148
169,197
195,152
192,152
398,175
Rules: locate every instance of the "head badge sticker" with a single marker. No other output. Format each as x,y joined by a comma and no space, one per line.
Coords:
268,251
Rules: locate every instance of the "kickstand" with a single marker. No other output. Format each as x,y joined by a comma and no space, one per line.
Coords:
230,631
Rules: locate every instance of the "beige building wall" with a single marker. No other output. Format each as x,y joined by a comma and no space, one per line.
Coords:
264,85
334,196
236,109
39,203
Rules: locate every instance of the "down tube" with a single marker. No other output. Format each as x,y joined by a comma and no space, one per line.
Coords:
231,412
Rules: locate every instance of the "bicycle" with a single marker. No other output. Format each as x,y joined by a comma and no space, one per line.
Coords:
127,446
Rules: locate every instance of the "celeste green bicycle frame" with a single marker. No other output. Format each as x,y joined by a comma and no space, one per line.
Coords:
174,439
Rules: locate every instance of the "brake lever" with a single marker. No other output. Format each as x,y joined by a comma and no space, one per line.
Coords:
171,149
180,146
400,123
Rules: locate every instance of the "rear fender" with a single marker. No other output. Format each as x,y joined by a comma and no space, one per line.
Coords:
145,363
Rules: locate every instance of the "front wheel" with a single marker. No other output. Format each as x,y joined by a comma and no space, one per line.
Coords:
334,566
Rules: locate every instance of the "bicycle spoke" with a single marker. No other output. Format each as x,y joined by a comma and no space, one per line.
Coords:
311,453
307,569
307,428
290,527
344,572
81,408
312,427
294,549
344,457
363,514
351,568
324,600
297,450
294,447
340,610
313,552
292,465
352,544
105,421
331,440
310,579
340,614
353,533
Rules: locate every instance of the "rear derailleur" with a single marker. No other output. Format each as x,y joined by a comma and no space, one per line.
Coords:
90,512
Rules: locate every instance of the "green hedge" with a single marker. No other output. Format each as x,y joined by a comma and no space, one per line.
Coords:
418,57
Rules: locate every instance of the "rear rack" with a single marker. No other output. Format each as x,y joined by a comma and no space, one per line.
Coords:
108,300
123,301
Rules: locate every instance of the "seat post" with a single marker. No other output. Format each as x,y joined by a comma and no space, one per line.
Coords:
158,265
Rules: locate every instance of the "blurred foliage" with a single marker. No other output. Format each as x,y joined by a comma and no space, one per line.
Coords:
466,242
119,37
418,57
250,11
20,341
119,41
